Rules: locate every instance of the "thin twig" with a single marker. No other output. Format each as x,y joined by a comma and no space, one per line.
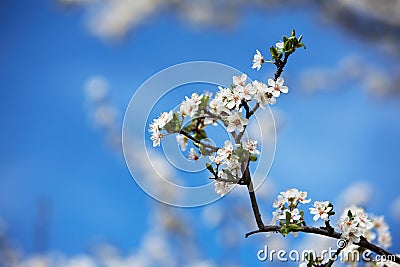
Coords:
213,148
280,64
249,113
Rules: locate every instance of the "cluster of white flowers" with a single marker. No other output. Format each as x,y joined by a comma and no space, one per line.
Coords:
359,224
157,125
226,104
231,166
222,187
251,146
287,202
190,106
231,106
321,210
223,154
355,223
384,236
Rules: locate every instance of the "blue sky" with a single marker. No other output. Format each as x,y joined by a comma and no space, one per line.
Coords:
49,148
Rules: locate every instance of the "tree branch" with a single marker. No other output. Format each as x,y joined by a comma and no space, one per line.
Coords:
213,148
246,180
280,64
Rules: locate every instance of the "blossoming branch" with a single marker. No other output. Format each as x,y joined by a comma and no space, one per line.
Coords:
229,163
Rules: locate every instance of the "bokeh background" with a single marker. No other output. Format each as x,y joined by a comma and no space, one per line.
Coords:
70,67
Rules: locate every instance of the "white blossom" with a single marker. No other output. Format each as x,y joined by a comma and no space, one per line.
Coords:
277,87
192,154
321,210
235,98
355,223
352,234
239,80
182,141
280,202
250,145
210,120
294,195
235,121
258,60
363,220
380,224
219,106
156,126
246,91
384,239
262,94
223,153
384,236
233,166
164,118
294,215
155,135
222,187
190,106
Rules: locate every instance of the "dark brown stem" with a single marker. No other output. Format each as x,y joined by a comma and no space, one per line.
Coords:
280,64
215,116
254,205
322,231
213,148
249,113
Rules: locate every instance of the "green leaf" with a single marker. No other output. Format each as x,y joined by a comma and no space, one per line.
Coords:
204,102
294,227
284,231
293,33
177,122
288,46
299,45
287,218
173,125
299,39
274,52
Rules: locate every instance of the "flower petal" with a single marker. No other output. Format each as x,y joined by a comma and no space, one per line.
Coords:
271,82
284,89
